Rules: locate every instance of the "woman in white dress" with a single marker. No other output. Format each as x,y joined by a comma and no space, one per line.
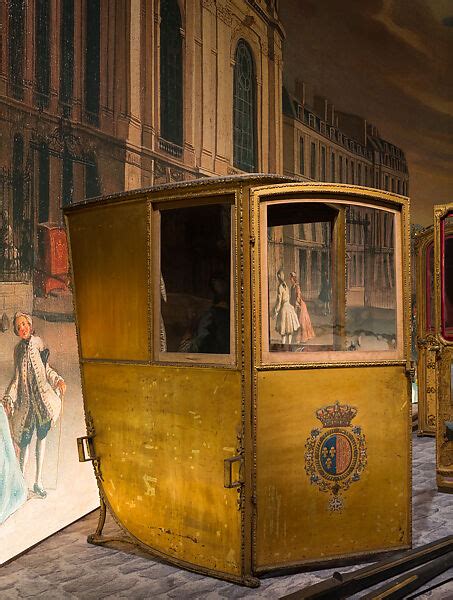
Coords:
13,489
287,322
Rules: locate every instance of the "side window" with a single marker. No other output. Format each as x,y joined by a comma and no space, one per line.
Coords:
331,280
195,281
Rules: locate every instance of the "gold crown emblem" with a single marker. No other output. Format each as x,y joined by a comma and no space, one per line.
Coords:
336,415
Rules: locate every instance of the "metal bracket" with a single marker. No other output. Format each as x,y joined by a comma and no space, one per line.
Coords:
86,452
228,472
85,448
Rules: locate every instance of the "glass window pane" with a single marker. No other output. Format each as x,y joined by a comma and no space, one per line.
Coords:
299,277
331,278
196,279
370,289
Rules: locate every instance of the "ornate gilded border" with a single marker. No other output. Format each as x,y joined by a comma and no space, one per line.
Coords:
440,212
444,450
422,240
191,190
327,191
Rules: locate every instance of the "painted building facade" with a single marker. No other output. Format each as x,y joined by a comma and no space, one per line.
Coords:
99,97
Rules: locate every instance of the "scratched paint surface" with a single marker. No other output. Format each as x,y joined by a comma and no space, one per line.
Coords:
109,261
162,435
294,520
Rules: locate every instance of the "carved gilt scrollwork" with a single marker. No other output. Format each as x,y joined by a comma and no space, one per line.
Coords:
429,342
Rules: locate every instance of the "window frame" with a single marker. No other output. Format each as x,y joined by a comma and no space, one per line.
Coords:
444,237
268,358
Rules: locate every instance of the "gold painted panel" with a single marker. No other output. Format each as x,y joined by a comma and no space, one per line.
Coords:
427,390
109,247
297,522
445,414
444,446
426,356
162,435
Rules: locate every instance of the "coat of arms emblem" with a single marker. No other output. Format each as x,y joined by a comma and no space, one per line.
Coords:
335,454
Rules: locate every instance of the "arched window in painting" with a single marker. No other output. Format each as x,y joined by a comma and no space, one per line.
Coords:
171,102
18,179
66,55
42,53
92,60
92,182
67,178
244,110
44,182
16,43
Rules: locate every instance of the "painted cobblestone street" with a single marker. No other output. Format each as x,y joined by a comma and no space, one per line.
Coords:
65,566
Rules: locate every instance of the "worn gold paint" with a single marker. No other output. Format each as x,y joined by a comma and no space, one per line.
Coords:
151,447
294,524
444,447
161,432
445,407
426,360
110,269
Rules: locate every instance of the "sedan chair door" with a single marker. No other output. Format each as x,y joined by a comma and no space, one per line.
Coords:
331,374
426,341
157,316
443,290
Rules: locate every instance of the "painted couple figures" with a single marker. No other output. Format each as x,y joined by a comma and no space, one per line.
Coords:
293,321
32,403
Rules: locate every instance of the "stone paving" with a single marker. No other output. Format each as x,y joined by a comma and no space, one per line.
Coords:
65,566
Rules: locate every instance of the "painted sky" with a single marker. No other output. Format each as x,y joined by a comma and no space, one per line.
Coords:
390,61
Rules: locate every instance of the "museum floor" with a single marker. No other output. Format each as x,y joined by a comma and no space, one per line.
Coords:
65,566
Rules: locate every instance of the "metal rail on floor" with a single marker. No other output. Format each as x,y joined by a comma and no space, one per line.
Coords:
432,556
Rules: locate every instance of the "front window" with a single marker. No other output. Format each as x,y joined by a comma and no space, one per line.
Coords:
331,281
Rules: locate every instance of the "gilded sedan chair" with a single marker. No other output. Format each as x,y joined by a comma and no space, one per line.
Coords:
245,355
